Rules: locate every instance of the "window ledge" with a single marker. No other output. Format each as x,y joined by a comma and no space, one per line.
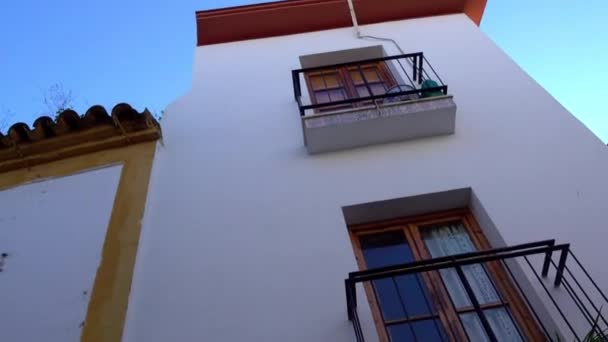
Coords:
391,122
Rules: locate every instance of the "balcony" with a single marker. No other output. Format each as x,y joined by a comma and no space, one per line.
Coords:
562,300
372,101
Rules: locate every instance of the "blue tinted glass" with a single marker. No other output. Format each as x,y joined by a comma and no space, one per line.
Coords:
424,331
389,299
429,330
402,296
385,249
414,295
401,333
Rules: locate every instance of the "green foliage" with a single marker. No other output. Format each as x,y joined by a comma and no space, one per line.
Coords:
57,99
595,334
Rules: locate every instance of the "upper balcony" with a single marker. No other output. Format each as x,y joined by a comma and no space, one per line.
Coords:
372,101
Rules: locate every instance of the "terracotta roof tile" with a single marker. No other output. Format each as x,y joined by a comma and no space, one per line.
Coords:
23,145
69,121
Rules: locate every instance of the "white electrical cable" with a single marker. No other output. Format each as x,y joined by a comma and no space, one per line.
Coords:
353,16
358,34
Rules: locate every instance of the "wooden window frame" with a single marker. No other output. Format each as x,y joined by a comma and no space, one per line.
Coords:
349,84
438,293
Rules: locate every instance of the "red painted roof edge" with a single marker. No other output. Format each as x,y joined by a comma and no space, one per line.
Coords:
298,16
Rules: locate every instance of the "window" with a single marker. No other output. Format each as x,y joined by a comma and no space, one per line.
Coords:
434,305
344,83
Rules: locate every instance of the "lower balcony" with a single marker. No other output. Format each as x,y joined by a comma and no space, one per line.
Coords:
531,292
372,101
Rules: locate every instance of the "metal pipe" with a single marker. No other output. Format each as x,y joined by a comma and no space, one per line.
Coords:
353,16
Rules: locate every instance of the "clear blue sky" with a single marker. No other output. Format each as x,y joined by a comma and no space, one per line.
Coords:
141,52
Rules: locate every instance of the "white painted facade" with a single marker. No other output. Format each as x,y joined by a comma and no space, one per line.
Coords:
52,232
244,235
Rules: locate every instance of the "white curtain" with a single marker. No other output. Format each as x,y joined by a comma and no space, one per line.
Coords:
450,239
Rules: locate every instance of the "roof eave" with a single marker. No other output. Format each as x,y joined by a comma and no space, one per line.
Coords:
299,16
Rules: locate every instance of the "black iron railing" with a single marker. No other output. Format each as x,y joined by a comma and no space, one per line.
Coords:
570,277
413,77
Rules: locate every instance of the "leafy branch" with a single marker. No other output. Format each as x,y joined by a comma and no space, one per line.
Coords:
57,99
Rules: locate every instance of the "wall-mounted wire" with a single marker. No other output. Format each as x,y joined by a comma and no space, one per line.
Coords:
358,34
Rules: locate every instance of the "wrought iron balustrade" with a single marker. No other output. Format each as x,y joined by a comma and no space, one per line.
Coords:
412,77
580,291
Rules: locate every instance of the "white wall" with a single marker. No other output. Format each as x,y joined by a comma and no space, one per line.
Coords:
244,236
53,232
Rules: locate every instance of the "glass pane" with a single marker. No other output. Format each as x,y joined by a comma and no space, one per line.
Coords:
401,333
325,80
332,80
449,239
385,249
473,327
371,75
478,280
322,96
402,296
377,89
337,95
500,321
317,82
389,299
429,330
502,324
326,96
355,75
362,91
426,330
414,295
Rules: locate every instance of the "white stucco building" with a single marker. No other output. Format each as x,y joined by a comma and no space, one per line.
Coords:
382,172
253,209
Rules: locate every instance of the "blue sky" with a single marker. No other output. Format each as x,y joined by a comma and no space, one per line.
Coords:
141,52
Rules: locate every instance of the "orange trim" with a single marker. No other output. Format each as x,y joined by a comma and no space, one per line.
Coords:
298,16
